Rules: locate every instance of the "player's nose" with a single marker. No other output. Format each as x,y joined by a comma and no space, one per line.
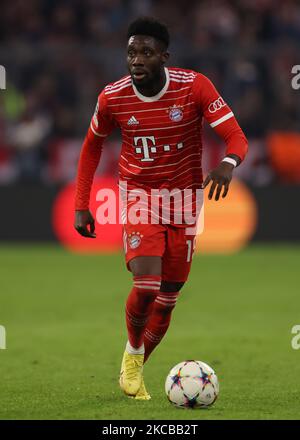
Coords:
138,61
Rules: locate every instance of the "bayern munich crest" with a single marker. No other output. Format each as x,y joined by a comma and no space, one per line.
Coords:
175,113
134,240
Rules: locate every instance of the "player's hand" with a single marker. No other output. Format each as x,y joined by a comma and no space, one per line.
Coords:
83,219
220,178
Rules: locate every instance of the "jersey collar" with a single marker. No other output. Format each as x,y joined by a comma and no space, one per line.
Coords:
159,94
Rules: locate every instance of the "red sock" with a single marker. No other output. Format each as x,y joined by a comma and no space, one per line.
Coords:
159,320
139,305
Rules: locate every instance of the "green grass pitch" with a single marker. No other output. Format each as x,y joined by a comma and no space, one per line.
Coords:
64,318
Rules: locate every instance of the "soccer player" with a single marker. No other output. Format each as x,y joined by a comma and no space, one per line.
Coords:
159,111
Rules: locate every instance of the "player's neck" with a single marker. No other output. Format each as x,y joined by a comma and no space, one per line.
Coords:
154,88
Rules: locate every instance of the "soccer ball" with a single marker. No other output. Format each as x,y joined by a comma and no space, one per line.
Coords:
192,384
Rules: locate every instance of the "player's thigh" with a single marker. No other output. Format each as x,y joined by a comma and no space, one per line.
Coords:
144,246
178,255
145,266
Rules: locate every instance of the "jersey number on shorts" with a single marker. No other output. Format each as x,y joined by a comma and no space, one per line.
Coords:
190,248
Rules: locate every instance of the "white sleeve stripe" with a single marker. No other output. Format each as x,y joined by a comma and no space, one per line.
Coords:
97,134
223,119
117,88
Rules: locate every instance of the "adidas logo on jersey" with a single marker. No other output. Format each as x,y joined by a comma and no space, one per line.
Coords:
132,121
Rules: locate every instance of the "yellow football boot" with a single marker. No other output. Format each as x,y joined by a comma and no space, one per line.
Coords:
142,393
131,373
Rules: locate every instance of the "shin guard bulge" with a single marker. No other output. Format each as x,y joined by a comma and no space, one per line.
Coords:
139,305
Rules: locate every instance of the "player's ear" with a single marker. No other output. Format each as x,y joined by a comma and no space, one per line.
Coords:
165,56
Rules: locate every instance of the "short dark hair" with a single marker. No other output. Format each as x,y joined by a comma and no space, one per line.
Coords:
151,27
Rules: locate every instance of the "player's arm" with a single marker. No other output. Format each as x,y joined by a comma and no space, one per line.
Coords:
222,120
101,126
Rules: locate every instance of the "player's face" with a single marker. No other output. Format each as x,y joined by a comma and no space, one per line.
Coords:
145,58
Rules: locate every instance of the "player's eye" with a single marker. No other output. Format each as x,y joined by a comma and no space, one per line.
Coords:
130,53
148,52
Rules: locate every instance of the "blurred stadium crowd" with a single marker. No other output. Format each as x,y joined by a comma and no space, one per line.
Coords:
59,54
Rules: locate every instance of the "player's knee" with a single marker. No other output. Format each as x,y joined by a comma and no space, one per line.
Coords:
171,286
142,266
146,287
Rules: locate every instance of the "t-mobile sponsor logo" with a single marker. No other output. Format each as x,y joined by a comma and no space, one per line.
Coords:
2,338
145,145
2,78
296,79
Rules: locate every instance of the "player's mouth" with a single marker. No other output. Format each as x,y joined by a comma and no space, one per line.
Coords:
139,75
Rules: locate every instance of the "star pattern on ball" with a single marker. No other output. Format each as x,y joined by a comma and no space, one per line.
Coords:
192,384
205,377
191,402
176,380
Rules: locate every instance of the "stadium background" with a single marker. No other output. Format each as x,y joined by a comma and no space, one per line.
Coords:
58,55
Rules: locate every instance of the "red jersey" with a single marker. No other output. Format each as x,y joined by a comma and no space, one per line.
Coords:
161,134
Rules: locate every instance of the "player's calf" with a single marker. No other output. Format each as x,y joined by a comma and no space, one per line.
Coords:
138,308
159,321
